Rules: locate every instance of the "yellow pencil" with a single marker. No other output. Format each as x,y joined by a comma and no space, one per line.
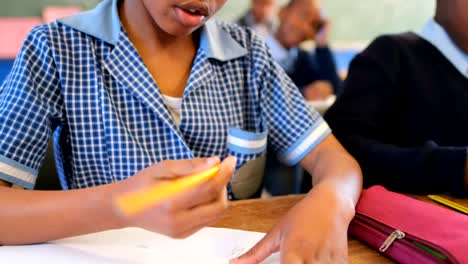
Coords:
449,203
136,202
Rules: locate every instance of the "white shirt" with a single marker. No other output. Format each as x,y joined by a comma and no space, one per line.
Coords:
174,104
264,30
438,37
285,57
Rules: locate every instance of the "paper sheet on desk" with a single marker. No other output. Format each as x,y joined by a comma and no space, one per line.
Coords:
135,246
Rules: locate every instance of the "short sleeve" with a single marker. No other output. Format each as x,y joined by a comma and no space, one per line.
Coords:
29,108
294,128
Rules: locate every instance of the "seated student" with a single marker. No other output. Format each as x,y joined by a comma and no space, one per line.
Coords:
314,73
404,112
261,17
151,94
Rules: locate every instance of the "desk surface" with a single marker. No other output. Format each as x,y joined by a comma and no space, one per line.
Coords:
262,214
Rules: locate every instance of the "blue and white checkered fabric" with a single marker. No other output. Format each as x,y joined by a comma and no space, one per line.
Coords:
116,119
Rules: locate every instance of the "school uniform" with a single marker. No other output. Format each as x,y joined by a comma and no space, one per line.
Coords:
305,67
262,29
403,113
82,77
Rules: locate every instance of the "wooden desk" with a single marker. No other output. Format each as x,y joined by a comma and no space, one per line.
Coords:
262,214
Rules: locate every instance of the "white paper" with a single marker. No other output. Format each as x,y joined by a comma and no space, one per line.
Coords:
134,245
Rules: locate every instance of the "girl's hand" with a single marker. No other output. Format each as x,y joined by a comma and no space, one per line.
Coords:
314,231
323,35
189,211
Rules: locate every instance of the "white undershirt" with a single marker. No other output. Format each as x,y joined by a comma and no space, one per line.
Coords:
174,104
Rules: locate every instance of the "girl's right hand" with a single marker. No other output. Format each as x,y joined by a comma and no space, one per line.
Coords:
187,212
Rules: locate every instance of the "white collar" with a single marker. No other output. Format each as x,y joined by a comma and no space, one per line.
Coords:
278,51
438,37
103,22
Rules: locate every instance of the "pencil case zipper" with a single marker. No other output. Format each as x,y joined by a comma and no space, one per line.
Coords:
401,240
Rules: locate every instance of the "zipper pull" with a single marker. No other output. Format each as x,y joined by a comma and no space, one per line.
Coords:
397,234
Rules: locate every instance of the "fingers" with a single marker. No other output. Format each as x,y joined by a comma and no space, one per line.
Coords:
194,208
326,25
188,222
321,36
310,250
264,248
318,90
292,258
204,204
195,229
217,183
206,214
210,190
178,168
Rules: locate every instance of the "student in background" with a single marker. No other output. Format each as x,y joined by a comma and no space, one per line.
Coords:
261,17
314,73
404,110
155,93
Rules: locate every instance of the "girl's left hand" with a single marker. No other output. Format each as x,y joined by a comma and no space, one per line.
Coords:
318,90
314,231
322,36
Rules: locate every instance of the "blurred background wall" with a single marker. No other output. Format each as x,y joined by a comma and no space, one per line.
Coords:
354,22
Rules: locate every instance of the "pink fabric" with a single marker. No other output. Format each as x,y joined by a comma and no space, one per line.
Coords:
13,32
440,226
51,13
399,250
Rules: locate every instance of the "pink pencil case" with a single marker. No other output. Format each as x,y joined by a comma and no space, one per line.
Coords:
408,230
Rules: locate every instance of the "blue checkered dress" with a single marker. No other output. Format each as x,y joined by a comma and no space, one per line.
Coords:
112,116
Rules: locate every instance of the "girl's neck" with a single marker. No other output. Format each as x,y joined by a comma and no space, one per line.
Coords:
146,34
168,58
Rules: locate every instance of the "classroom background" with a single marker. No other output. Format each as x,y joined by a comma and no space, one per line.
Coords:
355,24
